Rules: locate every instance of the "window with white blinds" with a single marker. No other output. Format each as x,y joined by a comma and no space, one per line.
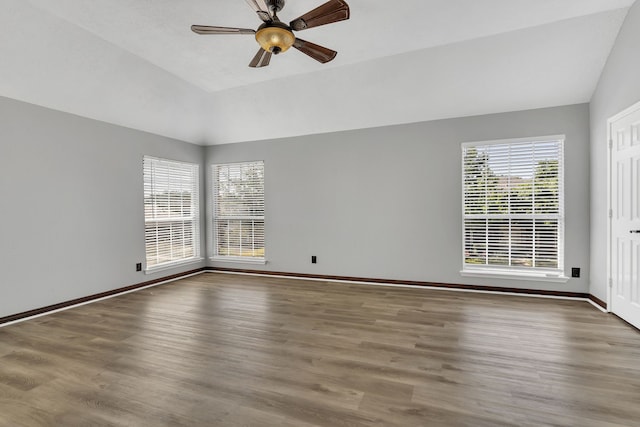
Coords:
513,206
238,211
171,212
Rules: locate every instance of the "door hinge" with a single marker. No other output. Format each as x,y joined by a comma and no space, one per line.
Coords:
610,144
610,213
610,282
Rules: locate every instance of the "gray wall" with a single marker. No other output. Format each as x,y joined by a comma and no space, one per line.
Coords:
619,88
71,220
386,202
380,203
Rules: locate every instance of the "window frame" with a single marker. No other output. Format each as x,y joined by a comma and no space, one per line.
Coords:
194,218
510,271
214,229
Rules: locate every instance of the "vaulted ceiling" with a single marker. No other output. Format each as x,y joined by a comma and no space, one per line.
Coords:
135,63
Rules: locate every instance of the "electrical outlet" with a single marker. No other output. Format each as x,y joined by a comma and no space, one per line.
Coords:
314,259
139,266
575,272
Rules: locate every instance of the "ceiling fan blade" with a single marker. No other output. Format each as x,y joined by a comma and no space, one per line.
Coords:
319,53
331,11
261,59
207,29
261,8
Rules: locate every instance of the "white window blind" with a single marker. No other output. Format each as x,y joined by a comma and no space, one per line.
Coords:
238,211
171,212
513,205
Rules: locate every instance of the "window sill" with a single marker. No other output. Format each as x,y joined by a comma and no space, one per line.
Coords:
538,276
172,265
238,260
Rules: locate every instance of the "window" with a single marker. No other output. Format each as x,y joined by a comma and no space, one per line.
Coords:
171,212
238,212
513,207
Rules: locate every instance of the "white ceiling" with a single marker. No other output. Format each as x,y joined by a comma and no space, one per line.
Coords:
135,63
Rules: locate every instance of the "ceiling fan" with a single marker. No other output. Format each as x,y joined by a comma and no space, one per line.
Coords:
276,37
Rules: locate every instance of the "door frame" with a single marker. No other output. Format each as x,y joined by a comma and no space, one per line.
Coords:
612,119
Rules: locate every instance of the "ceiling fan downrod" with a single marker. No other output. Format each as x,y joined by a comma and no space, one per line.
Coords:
275,6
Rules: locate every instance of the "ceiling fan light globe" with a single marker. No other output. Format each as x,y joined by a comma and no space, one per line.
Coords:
275,39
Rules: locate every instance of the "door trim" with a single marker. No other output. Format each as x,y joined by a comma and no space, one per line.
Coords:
629,110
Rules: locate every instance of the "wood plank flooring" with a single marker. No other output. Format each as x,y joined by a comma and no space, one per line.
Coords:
230,350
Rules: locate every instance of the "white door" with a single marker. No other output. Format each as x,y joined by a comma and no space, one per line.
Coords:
625,215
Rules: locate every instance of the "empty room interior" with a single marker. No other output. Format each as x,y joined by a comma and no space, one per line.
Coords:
421,213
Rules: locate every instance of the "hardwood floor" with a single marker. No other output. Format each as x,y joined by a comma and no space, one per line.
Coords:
226,350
